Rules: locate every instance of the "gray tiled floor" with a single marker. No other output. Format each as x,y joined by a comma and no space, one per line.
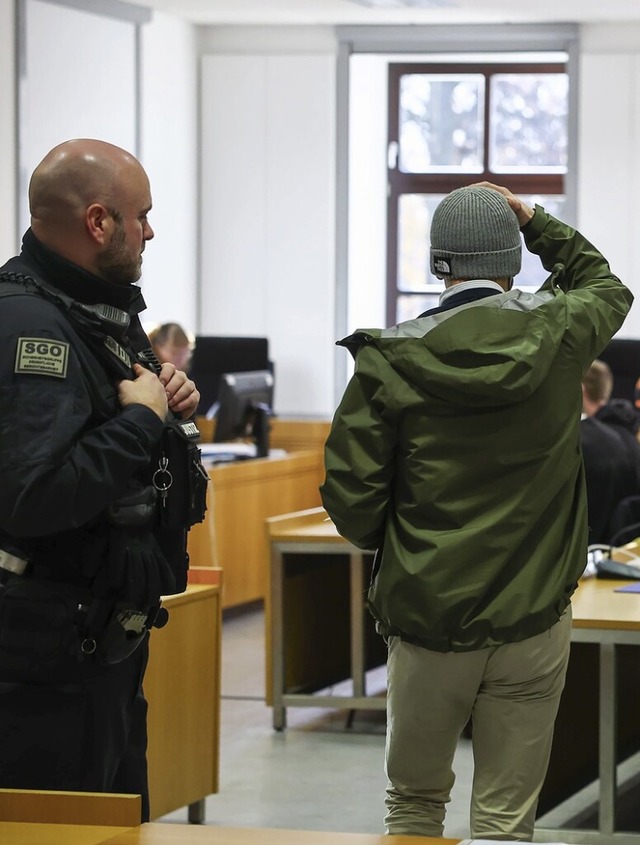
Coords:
319,774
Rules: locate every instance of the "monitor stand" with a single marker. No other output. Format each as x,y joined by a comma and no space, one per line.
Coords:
260,430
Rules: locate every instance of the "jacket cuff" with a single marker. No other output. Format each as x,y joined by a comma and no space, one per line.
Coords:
536,225
146,420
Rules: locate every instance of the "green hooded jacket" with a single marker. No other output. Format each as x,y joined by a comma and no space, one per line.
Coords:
455,453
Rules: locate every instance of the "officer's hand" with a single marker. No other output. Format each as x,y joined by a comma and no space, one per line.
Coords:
523,212
181,392
145,389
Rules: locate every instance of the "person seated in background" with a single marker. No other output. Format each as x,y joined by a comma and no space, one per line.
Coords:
171,344
596,401
610,450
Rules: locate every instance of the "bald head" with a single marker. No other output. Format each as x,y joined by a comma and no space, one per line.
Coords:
72,176
78,195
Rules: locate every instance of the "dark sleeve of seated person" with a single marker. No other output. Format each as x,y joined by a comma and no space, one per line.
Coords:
610,475
620,415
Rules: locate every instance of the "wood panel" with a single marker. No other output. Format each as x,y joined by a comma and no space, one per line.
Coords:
182,686
293,434
297,435
241,497
62,807
33,833
176,834
182,834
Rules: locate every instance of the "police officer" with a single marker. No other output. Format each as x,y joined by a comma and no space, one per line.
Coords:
85,552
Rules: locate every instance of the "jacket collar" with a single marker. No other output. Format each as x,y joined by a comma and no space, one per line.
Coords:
463,294
471,285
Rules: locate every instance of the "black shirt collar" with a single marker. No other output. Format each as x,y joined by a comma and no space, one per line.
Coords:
78,283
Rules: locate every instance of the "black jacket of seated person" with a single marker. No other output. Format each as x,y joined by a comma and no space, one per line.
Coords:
621,415
612,469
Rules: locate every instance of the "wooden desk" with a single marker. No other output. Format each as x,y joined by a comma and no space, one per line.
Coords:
601,616
609,619
176,834
182,686
303,534
19,833
24,833
241,496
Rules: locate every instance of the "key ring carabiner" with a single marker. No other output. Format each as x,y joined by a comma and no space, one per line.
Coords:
162,471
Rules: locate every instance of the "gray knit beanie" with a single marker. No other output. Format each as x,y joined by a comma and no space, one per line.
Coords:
475,235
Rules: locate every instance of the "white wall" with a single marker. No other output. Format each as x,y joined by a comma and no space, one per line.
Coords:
367,268
609,152
267,232
268,208
62,95
169,152
8,159
237,61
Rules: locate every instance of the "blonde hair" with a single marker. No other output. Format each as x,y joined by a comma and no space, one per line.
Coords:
172,333
598,382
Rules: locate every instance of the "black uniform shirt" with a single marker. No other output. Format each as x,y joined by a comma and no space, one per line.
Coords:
67,449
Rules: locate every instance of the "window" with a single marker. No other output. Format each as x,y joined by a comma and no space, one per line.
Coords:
452,124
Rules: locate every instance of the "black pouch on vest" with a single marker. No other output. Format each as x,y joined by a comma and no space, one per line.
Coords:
39,641
180,478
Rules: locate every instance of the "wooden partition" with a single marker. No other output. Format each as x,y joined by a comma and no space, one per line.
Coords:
182,686
59,807
298,435
293,434
241,497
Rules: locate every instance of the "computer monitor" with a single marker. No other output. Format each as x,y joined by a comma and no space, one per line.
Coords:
215,355
245,405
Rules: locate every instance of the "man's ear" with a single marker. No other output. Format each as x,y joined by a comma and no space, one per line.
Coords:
99,223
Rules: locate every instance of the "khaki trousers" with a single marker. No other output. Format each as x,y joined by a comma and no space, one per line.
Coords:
511,692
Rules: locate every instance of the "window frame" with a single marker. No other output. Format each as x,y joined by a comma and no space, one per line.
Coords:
400,182
430,42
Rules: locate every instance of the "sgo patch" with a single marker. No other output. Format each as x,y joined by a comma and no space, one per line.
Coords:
42,356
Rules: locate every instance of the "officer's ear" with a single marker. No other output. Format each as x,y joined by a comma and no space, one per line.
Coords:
99,223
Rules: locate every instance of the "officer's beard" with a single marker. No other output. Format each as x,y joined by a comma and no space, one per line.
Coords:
116,264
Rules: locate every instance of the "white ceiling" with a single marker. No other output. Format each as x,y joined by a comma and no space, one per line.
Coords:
330,12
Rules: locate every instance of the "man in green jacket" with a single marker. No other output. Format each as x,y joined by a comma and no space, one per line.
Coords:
455,454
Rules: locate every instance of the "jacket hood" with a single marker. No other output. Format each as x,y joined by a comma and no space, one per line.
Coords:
490,353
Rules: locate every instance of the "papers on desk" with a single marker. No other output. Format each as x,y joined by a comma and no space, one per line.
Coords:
629,588
218,453
210,450
213,453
